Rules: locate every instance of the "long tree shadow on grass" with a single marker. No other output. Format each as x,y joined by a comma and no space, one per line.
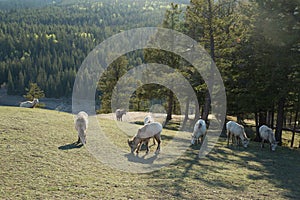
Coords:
281,168
239,171
70,146
191,167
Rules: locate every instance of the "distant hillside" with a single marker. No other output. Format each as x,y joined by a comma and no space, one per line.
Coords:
17,4
47,44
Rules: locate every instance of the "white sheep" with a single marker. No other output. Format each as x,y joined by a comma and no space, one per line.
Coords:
120,113
266,133
148,119
236,130
144,133
81,125
199,131
29,104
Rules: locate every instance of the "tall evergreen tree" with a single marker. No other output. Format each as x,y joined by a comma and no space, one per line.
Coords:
34,91
10,84
108,82
173,20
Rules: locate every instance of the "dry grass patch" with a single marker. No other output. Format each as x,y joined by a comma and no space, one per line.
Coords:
38,161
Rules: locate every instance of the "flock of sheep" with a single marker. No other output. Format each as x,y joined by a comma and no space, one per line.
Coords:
152,129
237,133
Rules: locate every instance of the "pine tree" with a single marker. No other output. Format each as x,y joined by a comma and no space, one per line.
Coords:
108,82
171,21
10,84
34,91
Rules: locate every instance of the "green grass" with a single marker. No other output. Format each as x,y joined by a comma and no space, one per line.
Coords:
39,162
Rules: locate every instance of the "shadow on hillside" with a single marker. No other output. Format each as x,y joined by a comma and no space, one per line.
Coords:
280,169
138,158
70,146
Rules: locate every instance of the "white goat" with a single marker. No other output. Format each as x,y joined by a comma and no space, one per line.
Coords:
144,133
236,130
148,119
29,104
81,125
266,133
120,113
199,131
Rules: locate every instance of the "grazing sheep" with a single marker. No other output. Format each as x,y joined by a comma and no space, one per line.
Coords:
148,119
29,104
81,125
266,133
236,130
144,133
199,131
120,113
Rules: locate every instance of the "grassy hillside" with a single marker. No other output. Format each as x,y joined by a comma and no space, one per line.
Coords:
39,162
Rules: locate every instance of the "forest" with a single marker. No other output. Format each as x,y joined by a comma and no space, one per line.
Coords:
255,45
47,45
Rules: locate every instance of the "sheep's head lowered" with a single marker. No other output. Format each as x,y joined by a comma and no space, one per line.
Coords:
133,143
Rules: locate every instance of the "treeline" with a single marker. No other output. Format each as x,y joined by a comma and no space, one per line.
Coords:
256,47
47,45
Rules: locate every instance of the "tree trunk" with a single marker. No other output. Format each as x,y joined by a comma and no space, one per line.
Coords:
206,107
186,114
269,115
257,137
295,123
279,121
240,118
212,54
170,106
197,113
291,118
272,117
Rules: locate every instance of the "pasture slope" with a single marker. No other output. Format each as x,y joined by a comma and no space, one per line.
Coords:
38,161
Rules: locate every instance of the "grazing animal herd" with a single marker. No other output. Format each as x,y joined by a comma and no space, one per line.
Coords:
151,129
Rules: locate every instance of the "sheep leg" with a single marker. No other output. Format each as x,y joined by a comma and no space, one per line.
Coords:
153,141
238,141
84,139
138,148
78,141
147,147
157,138
262,143
228,137
201,139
